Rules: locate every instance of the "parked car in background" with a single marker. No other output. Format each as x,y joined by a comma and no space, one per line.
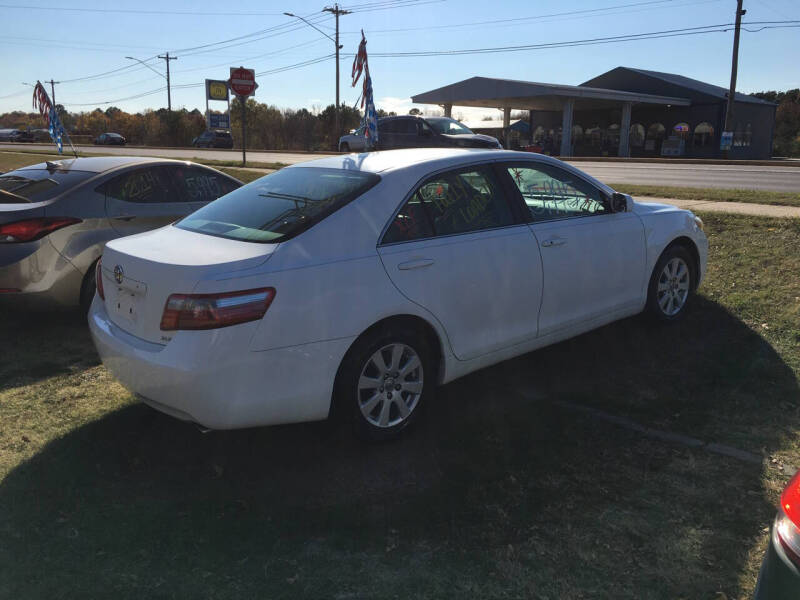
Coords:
353,141
213,139
15,135
418,132
779,578
369,282
56,217
110,139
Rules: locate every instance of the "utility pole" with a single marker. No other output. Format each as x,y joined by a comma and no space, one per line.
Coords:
336,11
53,90
734,67
168,58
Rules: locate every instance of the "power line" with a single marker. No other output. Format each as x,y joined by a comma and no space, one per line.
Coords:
183,13
522,20
719,28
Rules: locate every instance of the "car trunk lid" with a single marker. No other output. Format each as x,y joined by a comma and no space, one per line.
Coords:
141,271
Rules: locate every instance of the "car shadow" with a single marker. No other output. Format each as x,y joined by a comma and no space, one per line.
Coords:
496,491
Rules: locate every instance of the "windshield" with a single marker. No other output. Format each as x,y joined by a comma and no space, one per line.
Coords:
279,205
448,126
36,185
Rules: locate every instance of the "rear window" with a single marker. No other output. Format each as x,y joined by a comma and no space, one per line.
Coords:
36,185
280,205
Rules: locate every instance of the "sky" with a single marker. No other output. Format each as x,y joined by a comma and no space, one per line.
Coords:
89,39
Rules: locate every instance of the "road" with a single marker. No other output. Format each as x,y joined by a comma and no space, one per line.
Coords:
777,178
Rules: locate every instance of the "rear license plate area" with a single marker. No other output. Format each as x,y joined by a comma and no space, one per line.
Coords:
129,300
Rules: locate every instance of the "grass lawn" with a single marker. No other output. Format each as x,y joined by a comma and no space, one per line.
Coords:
710,194
497,493
243,175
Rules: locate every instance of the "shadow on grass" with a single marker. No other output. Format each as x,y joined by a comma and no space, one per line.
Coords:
493,494
41,344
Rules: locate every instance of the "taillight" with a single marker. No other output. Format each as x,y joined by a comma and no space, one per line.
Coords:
209,311
787,523
98,277
33,229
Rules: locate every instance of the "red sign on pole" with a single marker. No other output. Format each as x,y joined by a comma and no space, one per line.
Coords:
243,81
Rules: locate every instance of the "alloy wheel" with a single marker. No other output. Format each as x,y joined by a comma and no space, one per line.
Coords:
390,385
673,286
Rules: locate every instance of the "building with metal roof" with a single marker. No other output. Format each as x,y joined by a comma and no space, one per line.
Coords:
663,114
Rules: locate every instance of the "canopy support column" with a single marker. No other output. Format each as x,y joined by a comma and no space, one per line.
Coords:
625,130
448,111
506,125
566,128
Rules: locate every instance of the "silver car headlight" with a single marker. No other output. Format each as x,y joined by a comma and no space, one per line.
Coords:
699,222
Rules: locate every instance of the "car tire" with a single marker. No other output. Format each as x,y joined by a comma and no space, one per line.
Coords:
672,284
88,288
384,381
345,147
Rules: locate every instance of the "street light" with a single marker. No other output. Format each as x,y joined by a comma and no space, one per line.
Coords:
336,11
167,58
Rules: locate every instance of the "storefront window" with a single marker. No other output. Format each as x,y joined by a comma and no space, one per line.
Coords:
655,131
636,135
681,130
703,135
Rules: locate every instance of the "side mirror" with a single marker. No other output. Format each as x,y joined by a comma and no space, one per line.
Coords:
619,202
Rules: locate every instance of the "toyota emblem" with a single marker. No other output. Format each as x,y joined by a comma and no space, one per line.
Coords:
119,274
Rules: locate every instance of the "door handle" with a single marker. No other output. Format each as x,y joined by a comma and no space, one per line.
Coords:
415,264
124,217
553,242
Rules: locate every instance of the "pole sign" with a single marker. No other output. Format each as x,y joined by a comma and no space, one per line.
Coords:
219,121
216,90
243,84
726,140
243,81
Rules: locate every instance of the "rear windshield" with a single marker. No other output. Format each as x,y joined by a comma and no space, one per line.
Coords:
35,185
280,205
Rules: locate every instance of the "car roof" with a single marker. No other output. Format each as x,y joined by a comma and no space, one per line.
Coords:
392,160
101,164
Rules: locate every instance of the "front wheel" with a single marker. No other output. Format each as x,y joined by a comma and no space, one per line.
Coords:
345,147
384,381
671,284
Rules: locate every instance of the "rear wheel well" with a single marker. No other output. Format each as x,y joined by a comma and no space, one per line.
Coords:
86,295
392,323
691,247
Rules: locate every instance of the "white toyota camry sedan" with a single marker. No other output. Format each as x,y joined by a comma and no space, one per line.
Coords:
362,281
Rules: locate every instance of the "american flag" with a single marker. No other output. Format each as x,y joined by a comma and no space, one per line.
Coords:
361,65
42,101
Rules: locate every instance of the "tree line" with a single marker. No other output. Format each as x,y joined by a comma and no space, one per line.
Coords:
268,126
787,121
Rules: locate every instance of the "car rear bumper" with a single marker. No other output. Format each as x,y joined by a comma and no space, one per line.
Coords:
43,277
778,579
212,377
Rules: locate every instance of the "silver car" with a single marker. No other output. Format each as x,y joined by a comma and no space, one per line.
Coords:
56,217
353,141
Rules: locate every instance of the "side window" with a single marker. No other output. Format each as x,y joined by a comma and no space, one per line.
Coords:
389,126
195,184
408,126
452,203
551,193
145,186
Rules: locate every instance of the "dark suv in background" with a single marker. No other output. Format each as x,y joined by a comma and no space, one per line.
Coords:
419,132
213,139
